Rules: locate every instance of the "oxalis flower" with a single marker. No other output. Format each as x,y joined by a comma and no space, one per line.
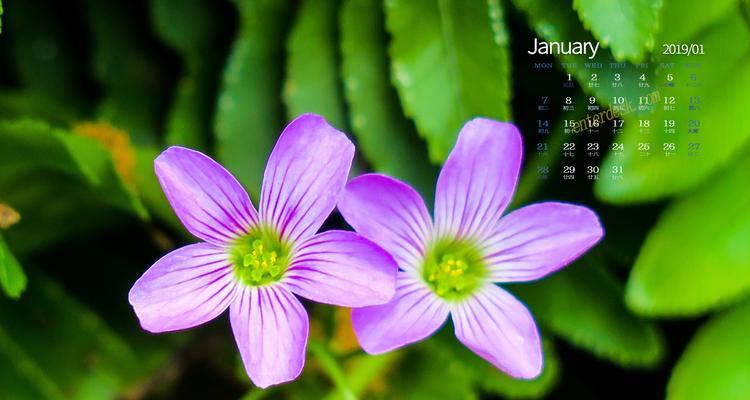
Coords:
452,266
255,262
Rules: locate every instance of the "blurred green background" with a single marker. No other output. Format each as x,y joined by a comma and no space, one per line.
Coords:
91,91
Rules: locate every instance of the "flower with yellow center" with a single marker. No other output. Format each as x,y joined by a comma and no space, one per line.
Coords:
453,265
255,262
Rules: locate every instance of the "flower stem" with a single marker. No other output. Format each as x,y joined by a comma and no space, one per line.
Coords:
365,371
331,367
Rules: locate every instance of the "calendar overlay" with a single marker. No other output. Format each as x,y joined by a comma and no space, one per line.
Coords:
615,109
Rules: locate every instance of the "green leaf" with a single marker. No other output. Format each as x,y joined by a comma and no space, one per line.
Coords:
450,63
386,138
445,349
94,363
185,25
124,65
17,104
715,363
91,155
249,114
493,381
22,377
54,206
312,80
12,278
61,183
583,305
724,78
443,368
682,20
29,145
697,256
189,27
627,26
1,16
429,374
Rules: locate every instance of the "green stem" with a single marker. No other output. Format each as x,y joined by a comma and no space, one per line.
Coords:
257,394
364,369
332,368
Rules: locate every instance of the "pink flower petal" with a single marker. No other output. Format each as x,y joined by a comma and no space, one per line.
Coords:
539,239
305,174
478,179
187,287
391,214
270,327
413,314
206,198
497,327
342,268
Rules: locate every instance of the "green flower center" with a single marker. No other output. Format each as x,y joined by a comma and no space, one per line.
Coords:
260,257
454,269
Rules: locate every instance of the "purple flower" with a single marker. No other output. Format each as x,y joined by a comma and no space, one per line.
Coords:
451,267
255,262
